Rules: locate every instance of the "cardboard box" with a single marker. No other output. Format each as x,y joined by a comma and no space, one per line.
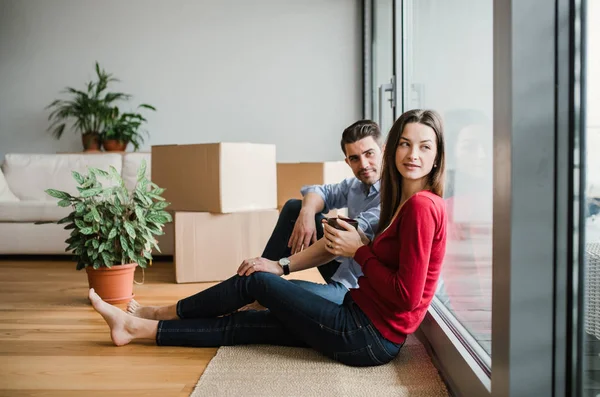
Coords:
292,176
216,177
211,247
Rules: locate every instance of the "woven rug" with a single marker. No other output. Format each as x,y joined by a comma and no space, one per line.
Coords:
259,370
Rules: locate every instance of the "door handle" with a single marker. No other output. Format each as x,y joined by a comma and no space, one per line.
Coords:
383,88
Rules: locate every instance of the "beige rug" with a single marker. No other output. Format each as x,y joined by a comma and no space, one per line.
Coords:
284,371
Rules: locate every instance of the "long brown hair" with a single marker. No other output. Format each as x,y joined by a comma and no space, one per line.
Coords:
391,179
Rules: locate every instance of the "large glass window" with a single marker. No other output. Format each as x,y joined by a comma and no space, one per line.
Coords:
447,66
591,341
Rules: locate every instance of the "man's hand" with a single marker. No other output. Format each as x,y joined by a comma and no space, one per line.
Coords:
304,233
250,266
342,242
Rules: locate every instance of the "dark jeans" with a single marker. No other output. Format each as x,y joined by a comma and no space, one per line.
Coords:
296,317
277,248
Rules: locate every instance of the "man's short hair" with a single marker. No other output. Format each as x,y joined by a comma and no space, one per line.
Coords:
360,130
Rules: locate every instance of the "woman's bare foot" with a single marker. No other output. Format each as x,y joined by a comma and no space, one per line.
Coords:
114,317
123,327
152,312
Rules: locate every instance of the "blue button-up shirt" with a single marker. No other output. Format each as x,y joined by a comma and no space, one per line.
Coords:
362,202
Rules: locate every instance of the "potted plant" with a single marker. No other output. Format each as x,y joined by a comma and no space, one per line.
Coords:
122,129
88,109
113,228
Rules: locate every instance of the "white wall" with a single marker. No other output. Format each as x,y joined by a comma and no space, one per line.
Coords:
286,72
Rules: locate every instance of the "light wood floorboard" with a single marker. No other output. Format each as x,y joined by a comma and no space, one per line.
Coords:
52,343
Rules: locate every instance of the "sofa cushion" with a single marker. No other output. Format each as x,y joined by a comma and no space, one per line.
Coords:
29,175
32,211
5,193
131,164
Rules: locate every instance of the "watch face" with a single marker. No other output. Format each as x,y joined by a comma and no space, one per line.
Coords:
284,261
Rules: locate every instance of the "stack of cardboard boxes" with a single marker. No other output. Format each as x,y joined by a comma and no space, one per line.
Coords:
225,200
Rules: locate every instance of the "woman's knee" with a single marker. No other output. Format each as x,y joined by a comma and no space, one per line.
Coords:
263,276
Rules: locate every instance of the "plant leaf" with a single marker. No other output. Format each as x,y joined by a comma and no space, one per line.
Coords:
141,171
58,194
124,245
78,177
64,203
95,214
130,229
65,219
160,205
91,192
107,259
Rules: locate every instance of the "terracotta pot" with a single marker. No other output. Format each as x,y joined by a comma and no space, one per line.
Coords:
90,141
115,284
114,145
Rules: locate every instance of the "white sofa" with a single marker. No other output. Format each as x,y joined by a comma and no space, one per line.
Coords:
23,200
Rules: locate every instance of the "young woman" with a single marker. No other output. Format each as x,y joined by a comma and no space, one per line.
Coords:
401,267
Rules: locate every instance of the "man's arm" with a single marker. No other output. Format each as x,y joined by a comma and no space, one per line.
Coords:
316,199
313,203
368,223
305,230
333,195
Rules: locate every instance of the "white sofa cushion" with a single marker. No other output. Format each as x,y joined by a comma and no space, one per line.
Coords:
29,175
131,164
32,211
5,193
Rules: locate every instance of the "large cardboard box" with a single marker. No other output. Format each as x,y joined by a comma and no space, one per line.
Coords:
216,177
292,176
211,247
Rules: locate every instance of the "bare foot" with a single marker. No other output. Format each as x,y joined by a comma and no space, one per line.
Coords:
149,312
252,306
116,319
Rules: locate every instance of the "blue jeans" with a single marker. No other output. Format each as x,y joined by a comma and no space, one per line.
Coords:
296,317
332,291
277,248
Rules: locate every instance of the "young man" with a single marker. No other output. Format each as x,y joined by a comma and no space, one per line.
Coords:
299,223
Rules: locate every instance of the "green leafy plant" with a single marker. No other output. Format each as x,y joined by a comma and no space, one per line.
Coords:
126,127
90,108
112,225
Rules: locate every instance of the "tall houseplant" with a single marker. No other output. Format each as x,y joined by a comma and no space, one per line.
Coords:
124,128
88,109
113,228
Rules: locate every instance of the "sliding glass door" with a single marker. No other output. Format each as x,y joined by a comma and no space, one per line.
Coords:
448,55
518,285
588,205
382,46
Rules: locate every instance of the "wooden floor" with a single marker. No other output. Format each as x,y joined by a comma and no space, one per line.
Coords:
52,343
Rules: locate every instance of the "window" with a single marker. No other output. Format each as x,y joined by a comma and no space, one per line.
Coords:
447,64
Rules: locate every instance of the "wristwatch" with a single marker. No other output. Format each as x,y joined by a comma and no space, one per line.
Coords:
285,265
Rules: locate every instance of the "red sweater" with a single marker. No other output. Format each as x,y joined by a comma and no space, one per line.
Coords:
401,267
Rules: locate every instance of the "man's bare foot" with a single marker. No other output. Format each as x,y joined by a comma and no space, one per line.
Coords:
149,312
252,306
116,319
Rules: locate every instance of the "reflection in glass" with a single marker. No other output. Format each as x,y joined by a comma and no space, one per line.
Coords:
591,354
447,66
